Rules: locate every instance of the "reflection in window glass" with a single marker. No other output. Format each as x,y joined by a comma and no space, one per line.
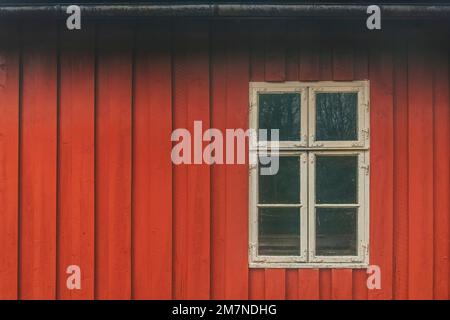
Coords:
336,116
280,111
336,231
336,179
283,187
279,231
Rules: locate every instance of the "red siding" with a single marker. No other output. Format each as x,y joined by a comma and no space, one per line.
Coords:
86,177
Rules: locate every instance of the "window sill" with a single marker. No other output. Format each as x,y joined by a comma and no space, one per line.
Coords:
305,265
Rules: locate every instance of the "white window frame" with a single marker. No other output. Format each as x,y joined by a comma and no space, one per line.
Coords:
307,149
359,87
361,206
302,206
286,87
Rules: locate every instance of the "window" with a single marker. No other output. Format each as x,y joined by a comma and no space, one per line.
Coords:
314,212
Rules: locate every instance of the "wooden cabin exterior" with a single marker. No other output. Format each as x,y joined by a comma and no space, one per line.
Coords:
86,176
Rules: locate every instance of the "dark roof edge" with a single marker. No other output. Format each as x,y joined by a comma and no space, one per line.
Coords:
229,10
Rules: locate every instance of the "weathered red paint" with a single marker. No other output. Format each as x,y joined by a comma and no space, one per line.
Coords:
86,177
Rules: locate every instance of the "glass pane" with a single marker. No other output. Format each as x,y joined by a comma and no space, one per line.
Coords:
336,116
280,111
279,231
283,187
336,179
336,231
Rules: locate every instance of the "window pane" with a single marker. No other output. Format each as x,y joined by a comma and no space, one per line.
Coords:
279,231
336,116
336,179
283,187
336,232
280,111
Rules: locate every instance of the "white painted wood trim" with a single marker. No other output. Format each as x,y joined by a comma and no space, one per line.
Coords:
305,150
361,88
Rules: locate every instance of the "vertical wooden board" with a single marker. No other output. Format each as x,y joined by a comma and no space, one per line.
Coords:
230,78
256,284
381,167
325,284
237,184
342,59
400,276
292,50
257,51
341,284
308,284
9,159
420,153
38,165
360,284
152,166
441,174
113,162
76,161
192,213
326,60
309,54
275,50
360,61
275,284
219,200
292,284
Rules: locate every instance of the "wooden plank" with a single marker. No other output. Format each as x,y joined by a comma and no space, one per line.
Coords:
381,166
257,51
256,284
237,187
192,182
152,166
292,50
38,165
309,55
342,59
230,75
360,284
219,202
9,159
275,284
275,51
361,61
341,284
76,161
325,284
400,174
420,152
308,284
292,284
113,163
441,174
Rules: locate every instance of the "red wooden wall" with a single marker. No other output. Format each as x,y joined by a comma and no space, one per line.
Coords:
86,176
